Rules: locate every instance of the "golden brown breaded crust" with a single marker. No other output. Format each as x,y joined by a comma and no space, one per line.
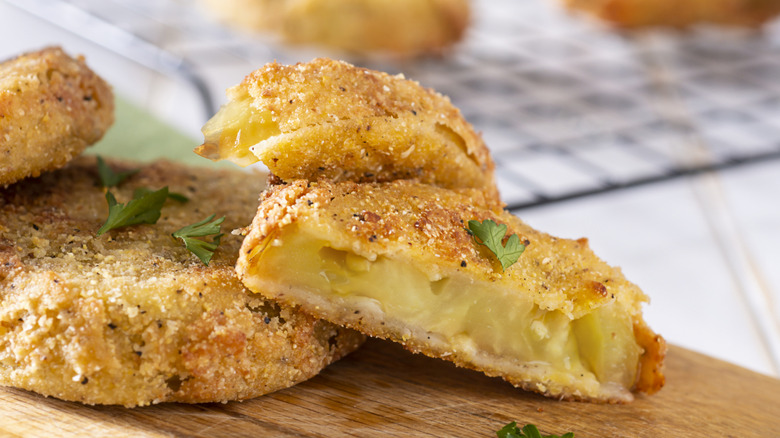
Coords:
406,216
340,122
426,226
673,13
132,317
247,14
404,27
651,364
400,27
52,106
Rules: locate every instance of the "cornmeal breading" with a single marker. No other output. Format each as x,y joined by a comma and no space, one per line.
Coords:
405,27
131,317
51,107
674,13
247,14
329,119
395,260
400,27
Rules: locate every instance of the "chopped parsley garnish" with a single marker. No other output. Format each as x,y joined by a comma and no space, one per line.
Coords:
178,197
528,431
204,250
108,177
491,235
171,195
144,209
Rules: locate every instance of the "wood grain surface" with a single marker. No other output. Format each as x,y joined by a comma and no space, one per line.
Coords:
382,390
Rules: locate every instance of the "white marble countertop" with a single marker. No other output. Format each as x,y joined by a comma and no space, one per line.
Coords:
705,248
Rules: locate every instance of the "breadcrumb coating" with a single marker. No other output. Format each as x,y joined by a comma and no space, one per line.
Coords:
400,27
673,13
335,121
132,317
52,107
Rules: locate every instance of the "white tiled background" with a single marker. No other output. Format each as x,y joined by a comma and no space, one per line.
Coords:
568,107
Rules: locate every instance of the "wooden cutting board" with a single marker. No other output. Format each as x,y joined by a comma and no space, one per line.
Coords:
382,390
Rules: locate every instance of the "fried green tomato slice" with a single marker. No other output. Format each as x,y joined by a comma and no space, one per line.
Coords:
672,13
329,119
52,107
132,317
395,260
402,28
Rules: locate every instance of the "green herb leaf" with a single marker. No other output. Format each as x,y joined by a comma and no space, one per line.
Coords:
143,209
178,197
492,235
202,249
509,431
171,195
529,431
108,177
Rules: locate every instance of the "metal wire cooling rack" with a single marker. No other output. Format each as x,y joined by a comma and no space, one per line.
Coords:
568,108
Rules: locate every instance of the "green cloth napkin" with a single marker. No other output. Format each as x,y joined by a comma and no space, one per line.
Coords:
138,135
